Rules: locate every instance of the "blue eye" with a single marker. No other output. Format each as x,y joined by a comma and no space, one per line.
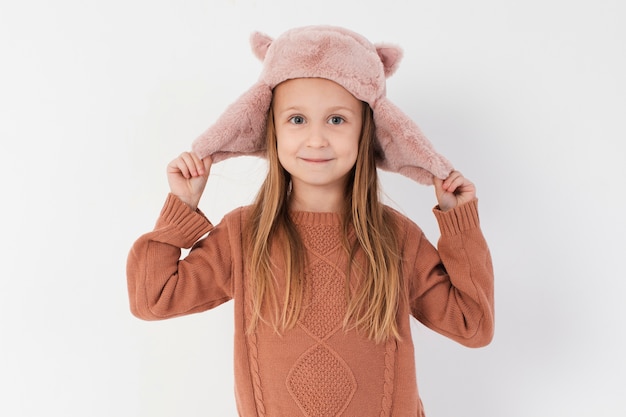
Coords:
297,120
336,120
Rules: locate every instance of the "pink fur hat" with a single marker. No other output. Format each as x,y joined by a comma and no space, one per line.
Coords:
341,56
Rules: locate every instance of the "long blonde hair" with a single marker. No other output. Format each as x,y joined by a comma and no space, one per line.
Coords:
373,306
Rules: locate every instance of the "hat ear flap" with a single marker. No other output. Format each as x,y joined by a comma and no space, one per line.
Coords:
404,148
260,42
390,56
240,130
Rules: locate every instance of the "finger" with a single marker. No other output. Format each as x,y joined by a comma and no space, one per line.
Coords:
453,181
194,164
198,164
455,185
188,164
179,166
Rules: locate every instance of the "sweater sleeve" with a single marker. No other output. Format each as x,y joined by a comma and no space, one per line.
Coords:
160,284
451,290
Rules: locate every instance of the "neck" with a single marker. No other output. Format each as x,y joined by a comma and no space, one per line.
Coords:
317,199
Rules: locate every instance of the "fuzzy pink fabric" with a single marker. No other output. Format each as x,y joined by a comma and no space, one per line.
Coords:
346,58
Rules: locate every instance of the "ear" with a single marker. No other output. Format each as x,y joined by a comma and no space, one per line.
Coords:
390,56
260,42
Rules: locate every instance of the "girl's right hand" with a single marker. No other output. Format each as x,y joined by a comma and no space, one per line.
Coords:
187,176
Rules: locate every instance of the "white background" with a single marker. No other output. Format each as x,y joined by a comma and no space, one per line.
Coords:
526,98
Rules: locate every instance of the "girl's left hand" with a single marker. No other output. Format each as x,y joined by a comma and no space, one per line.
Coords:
454,191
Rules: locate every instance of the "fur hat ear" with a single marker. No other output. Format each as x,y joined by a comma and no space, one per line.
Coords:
390,56
260,42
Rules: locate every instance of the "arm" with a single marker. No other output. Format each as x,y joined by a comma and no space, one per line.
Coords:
160,285
453,290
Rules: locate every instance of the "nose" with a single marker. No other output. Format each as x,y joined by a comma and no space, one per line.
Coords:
317,137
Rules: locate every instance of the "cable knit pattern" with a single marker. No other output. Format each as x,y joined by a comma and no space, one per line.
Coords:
322,239
390,356
256,376
324,301
317,369
324,297
321,383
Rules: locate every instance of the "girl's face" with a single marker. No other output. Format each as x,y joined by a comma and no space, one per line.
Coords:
318,126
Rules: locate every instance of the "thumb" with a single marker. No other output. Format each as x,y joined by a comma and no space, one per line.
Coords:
207,162
438,183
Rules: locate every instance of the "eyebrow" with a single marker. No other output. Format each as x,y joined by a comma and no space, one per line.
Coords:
338,108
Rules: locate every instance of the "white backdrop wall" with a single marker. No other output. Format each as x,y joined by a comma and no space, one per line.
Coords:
528,99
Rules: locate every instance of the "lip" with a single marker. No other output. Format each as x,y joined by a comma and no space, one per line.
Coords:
316,160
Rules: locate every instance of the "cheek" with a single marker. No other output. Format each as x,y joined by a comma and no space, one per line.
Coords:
351,147
287,141
283,150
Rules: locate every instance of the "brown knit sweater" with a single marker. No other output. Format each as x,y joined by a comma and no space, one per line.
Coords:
317,369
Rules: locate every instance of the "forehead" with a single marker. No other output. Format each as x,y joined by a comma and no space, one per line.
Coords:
313,92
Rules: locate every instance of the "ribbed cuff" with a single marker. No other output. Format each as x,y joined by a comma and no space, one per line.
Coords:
459,219
191,224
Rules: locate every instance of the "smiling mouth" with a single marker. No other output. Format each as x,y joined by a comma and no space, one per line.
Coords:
315,160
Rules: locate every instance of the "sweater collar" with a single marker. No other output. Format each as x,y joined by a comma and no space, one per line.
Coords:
311,218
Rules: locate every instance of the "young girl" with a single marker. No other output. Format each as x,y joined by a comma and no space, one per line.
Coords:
323,275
